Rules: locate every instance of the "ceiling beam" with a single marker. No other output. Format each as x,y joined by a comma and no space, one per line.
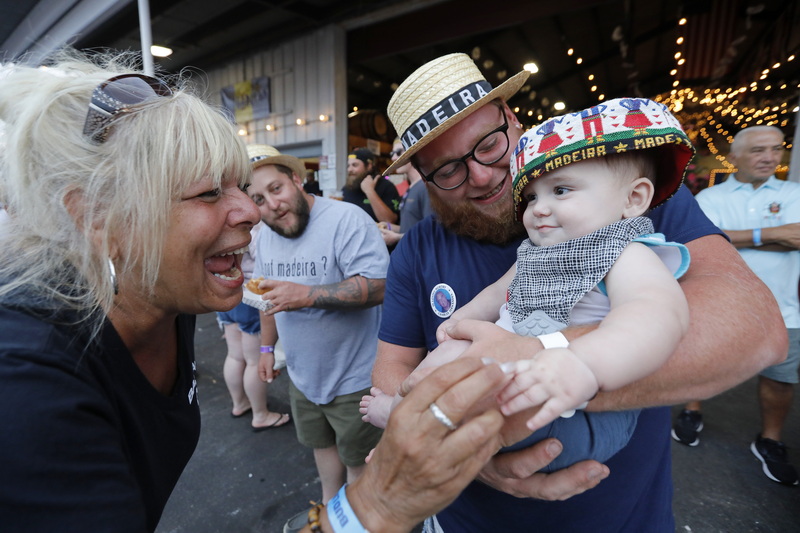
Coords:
53,23
435,24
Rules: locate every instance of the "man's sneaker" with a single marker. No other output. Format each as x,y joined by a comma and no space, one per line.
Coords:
687,427
772,455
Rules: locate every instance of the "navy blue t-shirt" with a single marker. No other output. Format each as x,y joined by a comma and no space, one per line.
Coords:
637,495
88,444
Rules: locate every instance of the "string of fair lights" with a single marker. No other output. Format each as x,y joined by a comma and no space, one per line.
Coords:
706,112
715,111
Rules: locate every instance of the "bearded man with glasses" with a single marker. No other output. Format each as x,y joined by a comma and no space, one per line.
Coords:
474,203
462,146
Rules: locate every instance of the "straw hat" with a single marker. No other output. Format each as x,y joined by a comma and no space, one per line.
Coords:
439,95
615,126
264,154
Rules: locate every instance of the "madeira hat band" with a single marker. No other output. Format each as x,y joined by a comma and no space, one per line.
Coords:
613,127
439,95
264,154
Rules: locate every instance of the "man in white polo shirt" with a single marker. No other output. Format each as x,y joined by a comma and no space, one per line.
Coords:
761,216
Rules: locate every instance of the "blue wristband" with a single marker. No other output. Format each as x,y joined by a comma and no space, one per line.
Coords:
757,237
266,348
341,515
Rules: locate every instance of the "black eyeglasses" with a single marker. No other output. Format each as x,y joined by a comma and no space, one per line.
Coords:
487,151
398,152
118,95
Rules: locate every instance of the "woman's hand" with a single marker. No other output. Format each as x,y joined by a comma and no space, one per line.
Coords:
420,465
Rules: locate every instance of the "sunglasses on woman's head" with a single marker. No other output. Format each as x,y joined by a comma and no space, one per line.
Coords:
118,95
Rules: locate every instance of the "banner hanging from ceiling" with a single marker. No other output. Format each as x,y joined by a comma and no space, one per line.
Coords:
247,100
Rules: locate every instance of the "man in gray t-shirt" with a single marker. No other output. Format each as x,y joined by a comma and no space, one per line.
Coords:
324,265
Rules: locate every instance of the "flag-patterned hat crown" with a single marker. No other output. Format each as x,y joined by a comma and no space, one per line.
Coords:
612,127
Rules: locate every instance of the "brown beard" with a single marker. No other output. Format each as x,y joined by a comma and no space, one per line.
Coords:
353,183
466,220
302,210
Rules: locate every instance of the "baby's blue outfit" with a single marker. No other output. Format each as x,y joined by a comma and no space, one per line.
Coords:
559,285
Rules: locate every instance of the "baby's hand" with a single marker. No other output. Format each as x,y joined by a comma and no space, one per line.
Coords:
441,331
444,353
555,378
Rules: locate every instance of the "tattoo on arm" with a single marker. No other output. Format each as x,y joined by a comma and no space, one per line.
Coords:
356,292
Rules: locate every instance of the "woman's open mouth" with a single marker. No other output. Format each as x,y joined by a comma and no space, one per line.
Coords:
227,265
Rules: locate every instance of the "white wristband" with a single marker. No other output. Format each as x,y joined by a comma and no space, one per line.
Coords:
341,515
757,237
558,340
553,340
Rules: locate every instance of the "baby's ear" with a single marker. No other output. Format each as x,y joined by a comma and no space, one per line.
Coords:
640,195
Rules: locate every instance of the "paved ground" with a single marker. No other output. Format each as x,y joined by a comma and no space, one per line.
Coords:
239,481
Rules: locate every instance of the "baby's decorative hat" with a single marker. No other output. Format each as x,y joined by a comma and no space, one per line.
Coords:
615,126
264,154
437,96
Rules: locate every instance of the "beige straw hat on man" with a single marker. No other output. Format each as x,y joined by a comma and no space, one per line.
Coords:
439,95
264,154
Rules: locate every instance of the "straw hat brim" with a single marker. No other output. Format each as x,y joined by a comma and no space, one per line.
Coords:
289,161
503,91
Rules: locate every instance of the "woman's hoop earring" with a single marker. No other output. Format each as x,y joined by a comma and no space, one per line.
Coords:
112,271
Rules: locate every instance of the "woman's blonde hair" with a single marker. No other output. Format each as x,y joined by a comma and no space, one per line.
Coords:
74,204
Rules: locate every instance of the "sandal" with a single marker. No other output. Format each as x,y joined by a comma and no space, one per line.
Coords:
281,420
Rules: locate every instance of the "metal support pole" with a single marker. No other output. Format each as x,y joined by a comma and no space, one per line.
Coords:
794,161
146,37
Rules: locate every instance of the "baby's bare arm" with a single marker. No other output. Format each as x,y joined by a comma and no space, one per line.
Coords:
484,306
648,318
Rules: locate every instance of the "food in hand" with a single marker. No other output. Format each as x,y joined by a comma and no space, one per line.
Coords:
252,286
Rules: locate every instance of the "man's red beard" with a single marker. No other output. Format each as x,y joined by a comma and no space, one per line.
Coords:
465,219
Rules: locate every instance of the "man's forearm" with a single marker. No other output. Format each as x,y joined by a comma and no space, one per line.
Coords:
770,240
393,364
390,376
382,211
735,330
356,292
